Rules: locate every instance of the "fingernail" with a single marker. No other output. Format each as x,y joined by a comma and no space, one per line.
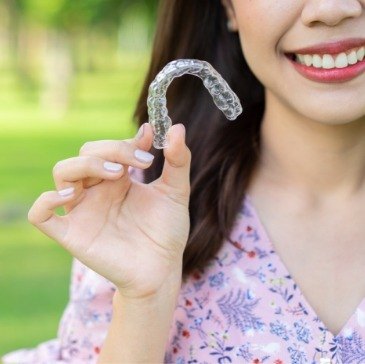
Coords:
143,156
113,167
168,136
182,126
140,132
66,192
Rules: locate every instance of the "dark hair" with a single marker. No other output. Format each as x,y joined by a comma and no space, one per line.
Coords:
224,153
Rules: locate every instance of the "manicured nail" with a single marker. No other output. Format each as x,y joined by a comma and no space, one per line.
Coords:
143,156
140,132
113,167
66,192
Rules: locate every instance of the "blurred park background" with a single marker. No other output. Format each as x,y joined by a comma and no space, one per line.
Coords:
70,71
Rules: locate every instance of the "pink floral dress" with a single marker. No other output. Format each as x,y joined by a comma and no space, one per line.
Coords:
243,308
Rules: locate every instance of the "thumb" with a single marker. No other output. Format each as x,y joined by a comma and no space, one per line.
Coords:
176,169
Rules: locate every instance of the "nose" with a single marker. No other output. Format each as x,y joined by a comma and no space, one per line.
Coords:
331,12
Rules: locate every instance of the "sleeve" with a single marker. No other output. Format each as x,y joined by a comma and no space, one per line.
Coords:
84,322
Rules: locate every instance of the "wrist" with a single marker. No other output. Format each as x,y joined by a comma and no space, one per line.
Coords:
169,290
141,321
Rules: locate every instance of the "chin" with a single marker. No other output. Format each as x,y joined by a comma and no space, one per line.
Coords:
337,116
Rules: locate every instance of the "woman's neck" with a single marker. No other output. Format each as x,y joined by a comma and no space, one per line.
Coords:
321,161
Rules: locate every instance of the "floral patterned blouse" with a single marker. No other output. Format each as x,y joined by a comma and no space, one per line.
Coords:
242,308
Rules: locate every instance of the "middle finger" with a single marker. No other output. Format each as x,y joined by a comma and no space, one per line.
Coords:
125,152
70,172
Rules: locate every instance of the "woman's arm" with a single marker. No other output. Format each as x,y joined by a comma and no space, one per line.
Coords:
139,329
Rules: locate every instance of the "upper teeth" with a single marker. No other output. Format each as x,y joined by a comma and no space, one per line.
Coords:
329,61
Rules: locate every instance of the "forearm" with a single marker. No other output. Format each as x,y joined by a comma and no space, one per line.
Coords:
139,329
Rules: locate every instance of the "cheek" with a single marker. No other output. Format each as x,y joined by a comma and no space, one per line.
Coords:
262,25
258,45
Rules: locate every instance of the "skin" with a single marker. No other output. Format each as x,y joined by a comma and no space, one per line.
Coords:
309,184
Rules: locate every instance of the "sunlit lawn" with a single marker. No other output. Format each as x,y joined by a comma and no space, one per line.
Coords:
34,270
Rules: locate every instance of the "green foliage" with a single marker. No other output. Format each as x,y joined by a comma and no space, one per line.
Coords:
74,15
42,11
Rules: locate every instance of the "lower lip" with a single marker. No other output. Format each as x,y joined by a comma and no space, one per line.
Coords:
330,75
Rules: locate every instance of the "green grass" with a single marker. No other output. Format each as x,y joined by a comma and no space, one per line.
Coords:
34,287
34,269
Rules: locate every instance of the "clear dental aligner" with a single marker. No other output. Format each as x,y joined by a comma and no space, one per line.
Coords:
225,99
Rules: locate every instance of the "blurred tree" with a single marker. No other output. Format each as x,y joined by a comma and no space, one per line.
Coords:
17,40
71,29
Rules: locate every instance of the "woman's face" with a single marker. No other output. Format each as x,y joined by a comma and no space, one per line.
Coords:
270,28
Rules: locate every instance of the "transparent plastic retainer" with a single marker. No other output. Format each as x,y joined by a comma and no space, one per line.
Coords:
224,98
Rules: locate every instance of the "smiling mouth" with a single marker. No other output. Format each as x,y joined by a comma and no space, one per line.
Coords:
327,68
329,61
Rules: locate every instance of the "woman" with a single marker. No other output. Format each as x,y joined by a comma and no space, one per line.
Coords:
246,241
